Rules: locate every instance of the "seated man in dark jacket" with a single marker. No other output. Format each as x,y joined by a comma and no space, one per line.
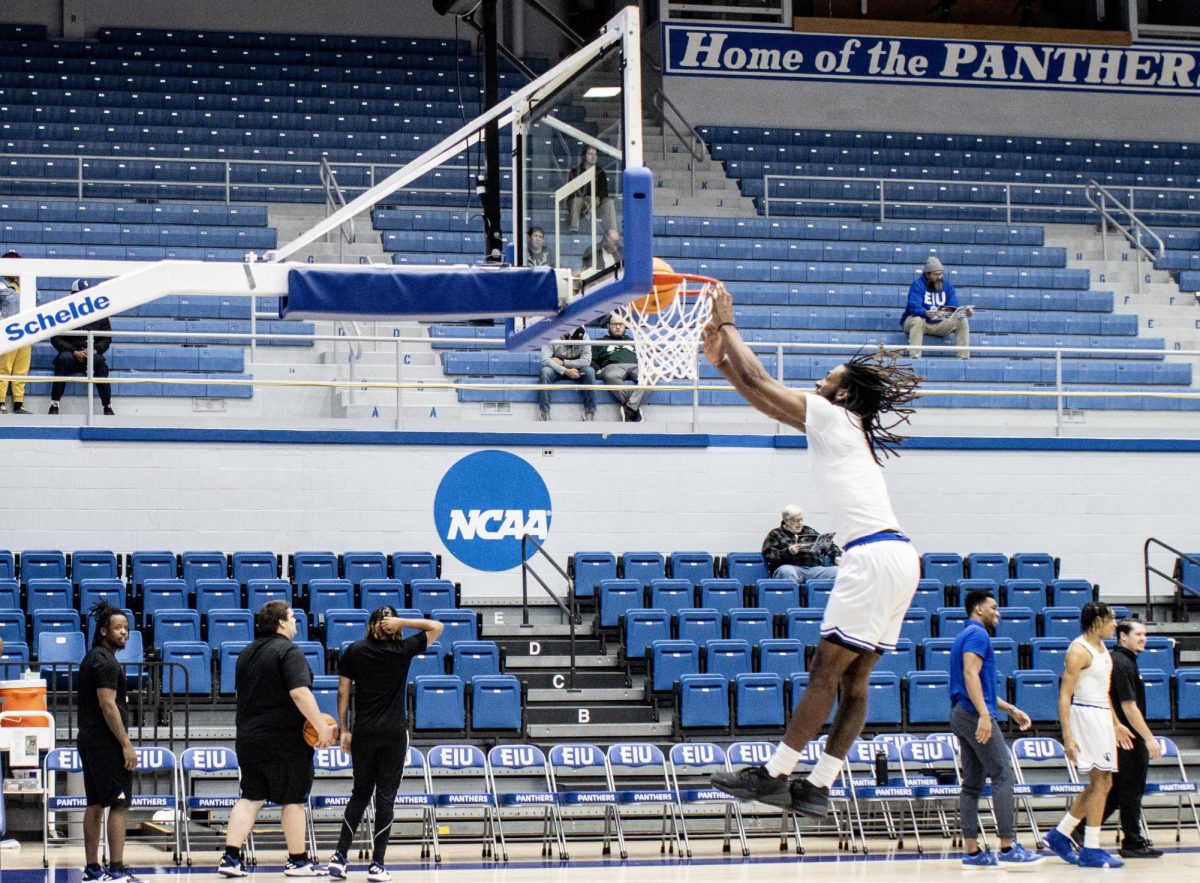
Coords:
72,356
797,552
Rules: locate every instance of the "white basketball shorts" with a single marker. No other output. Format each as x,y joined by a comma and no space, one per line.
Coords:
874,587
1092,727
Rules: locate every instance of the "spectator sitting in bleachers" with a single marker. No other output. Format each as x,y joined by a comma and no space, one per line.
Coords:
72,356
568,361
616,363
579,201
15,362
931,308
797,552
536,252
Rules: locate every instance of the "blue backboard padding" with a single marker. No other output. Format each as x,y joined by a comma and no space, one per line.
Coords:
419,292
635,279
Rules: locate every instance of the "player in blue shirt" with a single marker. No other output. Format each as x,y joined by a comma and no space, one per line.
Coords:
974,707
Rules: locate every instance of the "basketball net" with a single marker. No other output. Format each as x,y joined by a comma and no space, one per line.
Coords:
668,335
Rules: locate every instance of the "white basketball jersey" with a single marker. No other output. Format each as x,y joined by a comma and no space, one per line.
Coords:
1092,686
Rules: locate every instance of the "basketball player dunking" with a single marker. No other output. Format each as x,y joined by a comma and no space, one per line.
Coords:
844,420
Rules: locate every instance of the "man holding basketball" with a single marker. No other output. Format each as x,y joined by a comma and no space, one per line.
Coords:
376,669
844,421
274,699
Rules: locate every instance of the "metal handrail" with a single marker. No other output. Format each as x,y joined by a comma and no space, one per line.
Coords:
526,572
1147,570
335,199
1136,223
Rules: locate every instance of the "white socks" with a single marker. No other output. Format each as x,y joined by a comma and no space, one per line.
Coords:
1091,838
1068,825
826,771
783,761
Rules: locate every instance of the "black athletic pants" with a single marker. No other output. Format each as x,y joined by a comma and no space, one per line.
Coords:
1126,793
378,766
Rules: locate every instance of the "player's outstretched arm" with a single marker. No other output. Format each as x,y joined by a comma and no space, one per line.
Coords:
728,353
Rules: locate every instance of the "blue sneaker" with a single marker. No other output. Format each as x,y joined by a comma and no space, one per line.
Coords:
93,874
1098,858
337,866
985,858
1018,855
1062,846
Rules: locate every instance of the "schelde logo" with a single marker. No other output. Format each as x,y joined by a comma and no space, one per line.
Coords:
485,503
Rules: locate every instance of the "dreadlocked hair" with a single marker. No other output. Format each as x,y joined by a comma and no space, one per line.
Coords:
375,623
102,612
876,384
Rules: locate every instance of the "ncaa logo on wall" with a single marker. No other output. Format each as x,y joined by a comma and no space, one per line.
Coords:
485,503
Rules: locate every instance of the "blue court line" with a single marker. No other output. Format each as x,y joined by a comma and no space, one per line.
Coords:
592,439
74,875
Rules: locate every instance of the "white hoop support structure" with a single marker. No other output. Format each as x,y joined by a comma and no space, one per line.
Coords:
668,339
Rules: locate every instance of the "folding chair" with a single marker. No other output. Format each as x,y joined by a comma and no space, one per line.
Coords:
866,789
1168,777
690,766
1039,754
925,767
528,762
200,765
419,796
757,754
460,782
329,763
643,766
582,766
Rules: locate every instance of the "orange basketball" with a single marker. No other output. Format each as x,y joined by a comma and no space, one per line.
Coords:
661,296
310,732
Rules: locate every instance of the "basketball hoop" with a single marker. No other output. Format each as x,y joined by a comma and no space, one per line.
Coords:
667,324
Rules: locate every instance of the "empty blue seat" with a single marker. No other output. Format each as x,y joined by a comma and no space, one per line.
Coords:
10,594
778,595
430,661
1036,693
1071,593
935,653
930,595
642,627
325,689
223,626
727,657
93,564
643,566
804,624
1187,694
928,697
916,625
175,625
146,565
950,621
12,626
343,625
433,594
439,703
884,703
692,566
698,624
1049,653
799,684
615,597
469,659
14,660
45,593
1018,623
357,566
254,565
8,564
1034,565
746,568
314,653
217,594
901,660
1025,592
53,621
988,565
783,656
96,589
263,591
203,565
59,655
408,566
758,700
588,569
496,703
1006,656
752,624
669,660
376,593
163,594
42,564
227,660
1158,694
703,702
307,566
817,592
186,668
945,566
1159,653
721,594
460,625
1060,622
329,594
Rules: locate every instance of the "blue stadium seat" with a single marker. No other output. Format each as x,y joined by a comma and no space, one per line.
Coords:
1159,653
325,689
217,594
751,624
643,566
42,564
945,566
431,661
703,702
255,565
884,703
988,565
439,703
804,624
973,585
10,594
900,661
1036,693
746,568
8,564
227,661
783,656
314,652
228,626
1060,622
758,700
699,624
328,594
950,621
935,654
1006,656
307,566
344,625
1049,654
59,655
727,658
1071,593
614,598
917,625
95,589
376,593
12,626
93,564
778,595
1158,694
721,594
263,591
194,674
460,625
203,565
642,627
407,566
357,566
469,659
44,593
817,592
1029,593
163,594
589,568
928,697
671,595
175,625
930,595
433,594
1018,623
669,660
799,684
1187,694
53,622
146,565
1034,565
692,566
496,703
14,660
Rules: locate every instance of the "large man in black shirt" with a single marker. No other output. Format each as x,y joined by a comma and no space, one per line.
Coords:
274,699
105,751
376,669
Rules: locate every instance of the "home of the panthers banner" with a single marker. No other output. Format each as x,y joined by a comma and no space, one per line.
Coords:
703,50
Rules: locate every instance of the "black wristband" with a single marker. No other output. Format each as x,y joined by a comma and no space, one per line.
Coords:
726,324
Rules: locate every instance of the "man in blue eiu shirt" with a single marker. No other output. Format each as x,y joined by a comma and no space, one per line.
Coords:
973,710
930,310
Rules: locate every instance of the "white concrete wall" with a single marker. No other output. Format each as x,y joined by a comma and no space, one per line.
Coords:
1092,509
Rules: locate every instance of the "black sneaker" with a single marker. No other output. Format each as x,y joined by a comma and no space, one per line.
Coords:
53,408
232,867
755,783
808,799
19,408
109,412
1140,850
634,415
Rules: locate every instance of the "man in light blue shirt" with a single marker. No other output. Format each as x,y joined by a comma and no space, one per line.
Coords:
974,707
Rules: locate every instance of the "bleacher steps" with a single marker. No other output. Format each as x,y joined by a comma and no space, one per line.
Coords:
540,644
589,694
597,732
558,663
539,680
578,710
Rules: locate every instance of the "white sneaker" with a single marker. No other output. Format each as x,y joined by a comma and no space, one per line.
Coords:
377,873
306,868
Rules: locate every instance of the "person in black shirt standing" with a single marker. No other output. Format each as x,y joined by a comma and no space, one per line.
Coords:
1127,691
274,699
376,669
105,751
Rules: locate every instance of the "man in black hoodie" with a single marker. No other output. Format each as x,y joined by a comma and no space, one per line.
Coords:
72,356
